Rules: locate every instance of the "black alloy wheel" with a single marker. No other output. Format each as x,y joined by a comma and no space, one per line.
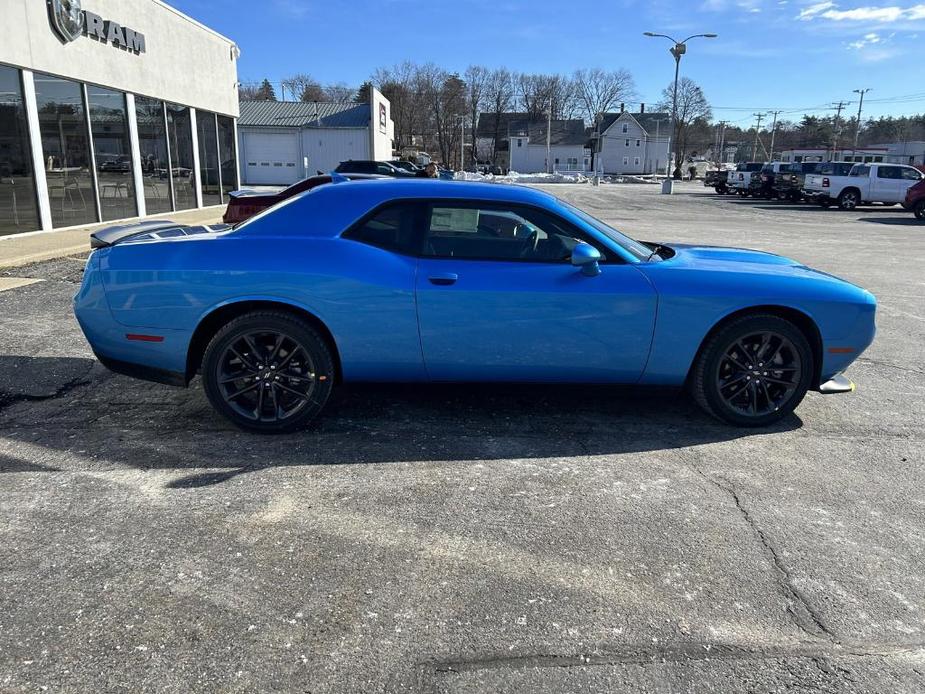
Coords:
268,372
754,371
919,210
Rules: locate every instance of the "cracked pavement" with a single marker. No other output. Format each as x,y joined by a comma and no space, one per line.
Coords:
473,539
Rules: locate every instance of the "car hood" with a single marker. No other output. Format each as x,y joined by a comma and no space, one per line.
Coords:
723,255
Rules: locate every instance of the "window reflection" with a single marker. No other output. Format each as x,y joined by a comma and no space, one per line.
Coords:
66,150
208,158
180,137
152,143
112,152
18,209
226,154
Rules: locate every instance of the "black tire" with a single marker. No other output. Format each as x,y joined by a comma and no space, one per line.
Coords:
726,391
268,372
849,199
919,210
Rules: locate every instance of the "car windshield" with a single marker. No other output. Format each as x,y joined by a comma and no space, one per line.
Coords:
637,249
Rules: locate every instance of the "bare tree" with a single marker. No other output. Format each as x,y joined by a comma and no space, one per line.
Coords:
600,91
692,107
248,91
397,84
339,92
540,95
303,87
499,97
476,78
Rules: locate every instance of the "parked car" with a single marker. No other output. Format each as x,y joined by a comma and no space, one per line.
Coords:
428,280
915,200
383,168
788,185
813,188
244,204
761,184
739,179
864,184
716,179
408,166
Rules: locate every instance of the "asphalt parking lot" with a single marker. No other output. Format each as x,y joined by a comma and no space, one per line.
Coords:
474,539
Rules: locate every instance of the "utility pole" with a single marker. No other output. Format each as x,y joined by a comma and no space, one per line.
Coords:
462,143
857,127
722,142
773,133
759,116
840,106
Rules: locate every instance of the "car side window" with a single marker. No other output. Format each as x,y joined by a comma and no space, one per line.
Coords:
911,174
889,172
391,227
383,169
496,232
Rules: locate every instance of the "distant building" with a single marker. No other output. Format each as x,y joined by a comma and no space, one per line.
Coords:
568,146
634,143
893,153
281,142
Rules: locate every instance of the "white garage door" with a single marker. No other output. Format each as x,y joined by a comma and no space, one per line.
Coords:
270,158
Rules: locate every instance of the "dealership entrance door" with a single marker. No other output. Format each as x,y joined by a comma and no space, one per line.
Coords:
270,158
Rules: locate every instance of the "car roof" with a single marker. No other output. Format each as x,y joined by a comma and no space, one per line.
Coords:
334,207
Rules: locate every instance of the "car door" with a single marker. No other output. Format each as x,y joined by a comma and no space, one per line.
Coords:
498,300
887,185
909,177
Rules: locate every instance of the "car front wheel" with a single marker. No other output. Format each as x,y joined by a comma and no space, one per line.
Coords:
919,210
753,371
268,372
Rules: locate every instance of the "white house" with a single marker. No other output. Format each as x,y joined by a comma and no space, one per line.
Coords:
281,142
634,143
568,146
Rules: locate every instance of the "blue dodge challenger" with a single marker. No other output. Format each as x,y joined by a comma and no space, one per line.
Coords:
423,280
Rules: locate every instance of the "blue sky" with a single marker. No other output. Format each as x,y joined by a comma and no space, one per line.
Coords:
799,55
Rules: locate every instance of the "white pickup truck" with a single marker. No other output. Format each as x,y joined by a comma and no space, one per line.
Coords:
738,180
864,184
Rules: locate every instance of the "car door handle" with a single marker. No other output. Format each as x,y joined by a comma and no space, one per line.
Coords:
443,278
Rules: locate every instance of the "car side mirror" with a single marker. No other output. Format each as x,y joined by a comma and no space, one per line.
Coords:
587,258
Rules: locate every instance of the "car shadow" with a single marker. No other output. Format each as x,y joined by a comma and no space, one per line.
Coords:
152,427
907,220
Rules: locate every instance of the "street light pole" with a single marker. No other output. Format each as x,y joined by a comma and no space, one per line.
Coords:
677,50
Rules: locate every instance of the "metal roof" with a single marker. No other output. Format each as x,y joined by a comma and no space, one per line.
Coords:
646,121
303,114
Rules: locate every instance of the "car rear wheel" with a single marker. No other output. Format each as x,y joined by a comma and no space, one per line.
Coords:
753,371
849,200
268,372
919,210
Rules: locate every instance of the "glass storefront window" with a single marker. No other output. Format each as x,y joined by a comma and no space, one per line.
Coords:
113,153
180,139
65,150
18,208
226,154
152,143
208,159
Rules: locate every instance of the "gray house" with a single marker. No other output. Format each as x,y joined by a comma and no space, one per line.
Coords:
634,143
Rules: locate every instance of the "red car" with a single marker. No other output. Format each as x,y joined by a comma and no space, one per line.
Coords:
915,200
244,204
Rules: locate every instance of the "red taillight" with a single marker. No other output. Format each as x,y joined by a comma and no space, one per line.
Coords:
825,183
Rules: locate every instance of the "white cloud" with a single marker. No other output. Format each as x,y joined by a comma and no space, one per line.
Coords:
867,40
885,15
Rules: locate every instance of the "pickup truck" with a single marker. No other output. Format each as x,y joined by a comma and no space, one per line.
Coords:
761,185
739,179
866,183
788,185
716,179
813,188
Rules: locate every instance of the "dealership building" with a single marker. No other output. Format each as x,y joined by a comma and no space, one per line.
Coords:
110,110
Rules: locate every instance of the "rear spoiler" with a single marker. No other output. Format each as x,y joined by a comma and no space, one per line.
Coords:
110,236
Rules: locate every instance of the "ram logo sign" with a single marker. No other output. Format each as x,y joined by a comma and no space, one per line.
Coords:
69,22
66,18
